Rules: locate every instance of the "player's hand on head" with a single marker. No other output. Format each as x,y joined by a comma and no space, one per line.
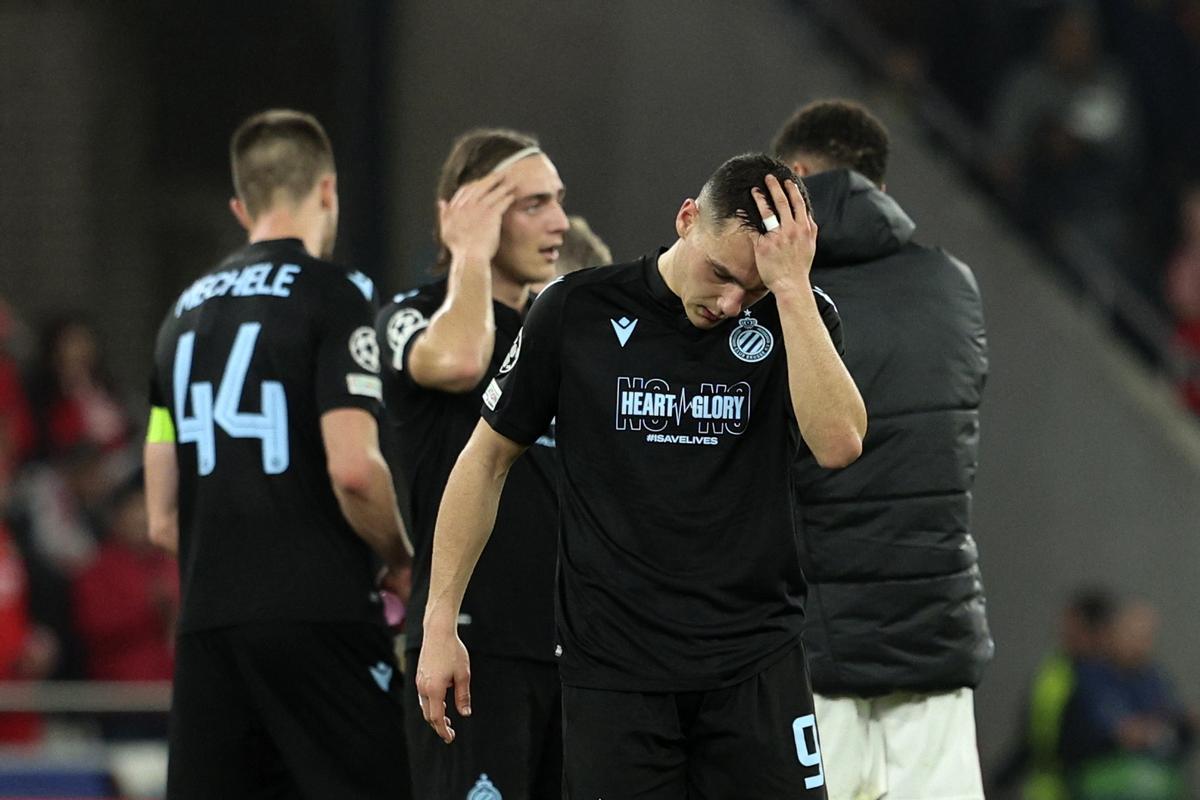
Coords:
470,220
785,254
444,665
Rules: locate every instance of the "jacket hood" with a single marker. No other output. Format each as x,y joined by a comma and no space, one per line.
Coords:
857,221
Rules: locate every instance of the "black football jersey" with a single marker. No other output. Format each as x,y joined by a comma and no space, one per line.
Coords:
247,360
678,568
508,609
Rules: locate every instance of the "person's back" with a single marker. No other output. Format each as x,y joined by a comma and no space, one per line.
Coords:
260,526
889,540
897,608
263,473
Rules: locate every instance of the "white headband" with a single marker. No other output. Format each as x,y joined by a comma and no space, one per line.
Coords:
524,152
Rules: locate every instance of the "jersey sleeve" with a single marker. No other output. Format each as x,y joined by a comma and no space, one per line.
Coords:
399,325
522,400
154,394
831,318
347,367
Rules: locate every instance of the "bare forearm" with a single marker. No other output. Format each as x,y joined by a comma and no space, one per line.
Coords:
464,525
829,409
454,351
371,511
162,495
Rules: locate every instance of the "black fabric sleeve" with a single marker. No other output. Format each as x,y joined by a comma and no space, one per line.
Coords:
398,327
833,321
154,395
520,402
347,374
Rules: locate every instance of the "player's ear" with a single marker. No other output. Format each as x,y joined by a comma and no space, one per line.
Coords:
686,219
239,211
328,191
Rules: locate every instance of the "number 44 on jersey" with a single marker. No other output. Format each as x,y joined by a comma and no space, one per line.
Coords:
269,425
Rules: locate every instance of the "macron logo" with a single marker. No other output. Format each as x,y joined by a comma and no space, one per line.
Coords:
382,674
623,327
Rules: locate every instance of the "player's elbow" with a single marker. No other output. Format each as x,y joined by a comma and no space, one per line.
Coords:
457,374
463,374
163,532
839,450
351,474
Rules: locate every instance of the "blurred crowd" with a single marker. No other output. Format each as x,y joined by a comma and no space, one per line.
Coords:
1102,720
83,594
1088,113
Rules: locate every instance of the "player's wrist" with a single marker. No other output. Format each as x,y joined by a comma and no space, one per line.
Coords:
440,619
470,255
790,287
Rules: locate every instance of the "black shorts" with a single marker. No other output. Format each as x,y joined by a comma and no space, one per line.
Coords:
757,739
287,709
511,743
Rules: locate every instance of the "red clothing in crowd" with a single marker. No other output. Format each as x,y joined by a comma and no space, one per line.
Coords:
15,633
88,415
16,423
125,606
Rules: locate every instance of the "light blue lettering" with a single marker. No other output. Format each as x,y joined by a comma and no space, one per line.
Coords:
284,278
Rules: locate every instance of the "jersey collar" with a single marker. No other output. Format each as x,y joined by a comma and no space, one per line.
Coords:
657,286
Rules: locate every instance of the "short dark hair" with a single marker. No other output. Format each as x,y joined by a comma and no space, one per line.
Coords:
1096,606
726,194
472,156
841,132
278,150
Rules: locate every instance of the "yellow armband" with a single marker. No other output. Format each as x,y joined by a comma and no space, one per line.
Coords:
160,428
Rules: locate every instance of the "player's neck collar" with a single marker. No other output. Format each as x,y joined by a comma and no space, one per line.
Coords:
656,283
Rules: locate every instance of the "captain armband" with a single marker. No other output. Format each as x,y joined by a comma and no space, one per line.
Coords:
160,428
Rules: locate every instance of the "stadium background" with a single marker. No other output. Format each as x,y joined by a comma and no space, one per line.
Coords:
114,182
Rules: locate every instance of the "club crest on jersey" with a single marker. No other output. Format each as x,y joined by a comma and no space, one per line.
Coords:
364,348
514,353
750,341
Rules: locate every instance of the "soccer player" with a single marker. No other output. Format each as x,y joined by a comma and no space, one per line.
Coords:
581,248
263,473
500,227
897,633
682,384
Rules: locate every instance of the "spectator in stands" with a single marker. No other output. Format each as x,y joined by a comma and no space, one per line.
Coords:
27,651
73,396
1183,294
54,507
1084,632
16,421
1125,731
53,516
125,606
1151,39
951,44
1067,137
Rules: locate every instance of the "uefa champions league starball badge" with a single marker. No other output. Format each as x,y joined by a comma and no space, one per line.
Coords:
750,341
